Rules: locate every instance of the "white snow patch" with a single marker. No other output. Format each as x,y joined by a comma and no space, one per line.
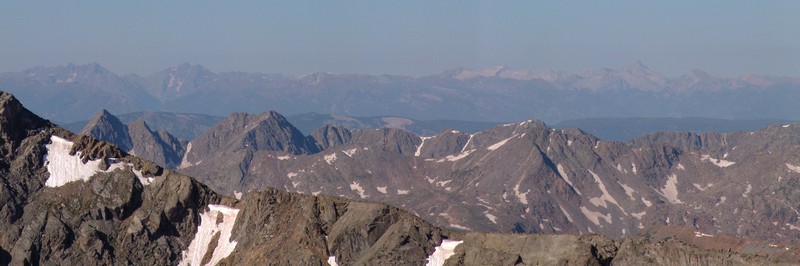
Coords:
747,190
619,169
453,158
350,152
330,158
491,217
145,180
569,217
65,168
595,216
499,144
443,183
291,174
237,194
680,166
402,192
443,252
795,169
355,186
185,162
284,157
522,197
639,215
381,189
670,190
700,234
569,142
606,197
206,230
628,190
633,168
564,176
469,140
419,148
717,162
332,261
701,187
646,202
458,226
785,126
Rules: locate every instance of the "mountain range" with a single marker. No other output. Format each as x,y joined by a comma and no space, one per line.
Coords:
498,94
72,199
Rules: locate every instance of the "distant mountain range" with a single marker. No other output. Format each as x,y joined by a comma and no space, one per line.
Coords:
74,92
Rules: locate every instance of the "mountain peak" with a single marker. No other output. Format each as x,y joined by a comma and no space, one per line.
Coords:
15,122
107,127
637,67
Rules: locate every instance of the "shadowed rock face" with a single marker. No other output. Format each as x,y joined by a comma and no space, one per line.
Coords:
134,212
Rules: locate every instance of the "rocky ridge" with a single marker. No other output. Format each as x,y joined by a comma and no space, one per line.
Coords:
137,138
114,208
527,177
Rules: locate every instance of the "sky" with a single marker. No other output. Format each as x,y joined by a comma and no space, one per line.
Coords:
726,38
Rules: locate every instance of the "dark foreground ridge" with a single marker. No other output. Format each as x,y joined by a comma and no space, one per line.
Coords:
73,200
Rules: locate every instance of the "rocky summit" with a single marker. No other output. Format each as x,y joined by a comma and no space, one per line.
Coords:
74,200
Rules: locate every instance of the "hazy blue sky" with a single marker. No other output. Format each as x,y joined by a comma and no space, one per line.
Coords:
404,37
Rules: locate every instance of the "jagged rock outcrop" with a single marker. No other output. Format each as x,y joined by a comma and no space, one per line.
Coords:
137,138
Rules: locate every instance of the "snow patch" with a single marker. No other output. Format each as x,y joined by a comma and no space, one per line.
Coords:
453,158
443,252
785,126
469,140
499,144
65,168
628,190
491,217
381,189
700,234
638,215
606,197
350,152
701,187
284,157
145,180
795,169
633,168
237,194
680,166
332,261
594,216
206,230
670,190
330,158
564,176
646,202
747,190
185,162
522,197
355,186
717,162
569,217
402,192
419,148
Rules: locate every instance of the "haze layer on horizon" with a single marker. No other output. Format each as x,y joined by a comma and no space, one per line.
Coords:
727,38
